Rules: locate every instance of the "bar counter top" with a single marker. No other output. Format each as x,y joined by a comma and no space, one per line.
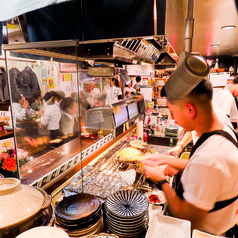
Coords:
47,162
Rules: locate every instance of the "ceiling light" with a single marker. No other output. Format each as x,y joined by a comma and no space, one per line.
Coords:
228,27
215,45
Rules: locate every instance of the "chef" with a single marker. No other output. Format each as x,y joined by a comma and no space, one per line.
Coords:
129,89
225,98
51,116
112,91
208,193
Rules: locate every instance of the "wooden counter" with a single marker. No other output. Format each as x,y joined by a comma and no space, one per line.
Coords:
56,167
5,134
45,163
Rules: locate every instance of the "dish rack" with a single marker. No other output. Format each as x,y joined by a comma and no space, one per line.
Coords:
109,174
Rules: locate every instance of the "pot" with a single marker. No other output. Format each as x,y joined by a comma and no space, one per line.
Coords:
21,207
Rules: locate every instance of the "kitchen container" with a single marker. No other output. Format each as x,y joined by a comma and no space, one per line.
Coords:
22,207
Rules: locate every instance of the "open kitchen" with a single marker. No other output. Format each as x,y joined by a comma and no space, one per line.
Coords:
104,106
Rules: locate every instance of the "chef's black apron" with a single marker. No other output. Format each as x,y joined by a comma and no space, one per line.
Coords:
221,204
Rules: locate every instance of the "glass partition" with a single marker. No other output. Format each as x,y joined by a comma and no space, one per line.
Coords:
58,111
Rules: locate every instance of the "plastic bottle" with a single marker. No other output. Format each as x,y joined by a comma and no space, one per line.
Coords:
171,142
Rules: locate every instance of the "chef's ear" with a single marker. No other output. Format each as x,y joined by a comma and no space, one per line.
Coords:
191,110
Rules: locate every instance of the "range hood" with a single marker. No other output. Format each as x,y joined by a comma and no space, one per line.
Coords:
116,51
130,51
134,34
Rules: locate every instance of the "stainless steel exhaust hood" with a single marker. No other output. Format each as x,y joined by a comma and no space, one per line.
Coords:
131,50
134,31
127,51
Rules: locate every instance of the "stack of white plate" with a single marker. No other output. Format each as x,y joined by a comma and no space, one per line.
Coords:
127,214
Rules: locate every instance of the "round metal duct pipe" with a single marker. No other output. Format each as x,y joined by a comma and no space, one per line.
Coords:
189,26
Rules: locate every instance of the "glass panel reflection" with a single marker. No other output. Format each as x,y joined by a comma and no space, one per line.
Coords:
51,104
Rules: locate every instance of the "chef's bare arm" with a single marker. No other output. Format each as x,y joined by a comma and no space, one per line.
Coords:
181,209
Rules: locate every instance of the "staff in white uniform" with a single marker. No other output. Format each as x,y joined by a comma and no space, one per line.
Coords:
209,177
225,98
51,117
129,89
112,91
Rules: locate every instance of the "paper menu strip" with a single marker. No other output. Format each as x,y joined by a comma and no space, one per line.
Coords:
115,111
139,128
119,110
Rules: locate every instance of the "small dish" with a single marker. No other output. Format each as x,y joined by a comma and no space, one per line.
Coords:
156,197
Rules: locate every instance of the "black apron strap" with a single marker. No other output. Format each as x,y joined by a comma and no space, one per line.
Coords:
221,204
205,136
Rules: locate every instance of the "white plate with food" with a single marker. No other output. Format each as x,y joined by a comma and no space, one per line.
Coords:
129,154
139,144
156,197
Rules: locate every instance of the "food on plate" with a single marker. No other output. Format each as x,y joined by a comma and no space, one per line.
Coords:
42,140
6,144
130,154
139,144
55,141
35,142
140,168
156,197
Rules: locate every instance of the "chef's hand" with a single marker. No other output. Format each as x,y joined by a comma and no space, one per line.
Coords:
154,159
41,125
175,151
170,171
155,174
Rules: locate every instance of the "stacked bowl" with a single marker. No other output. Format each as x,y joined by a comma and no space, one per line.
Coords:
126,214
79,215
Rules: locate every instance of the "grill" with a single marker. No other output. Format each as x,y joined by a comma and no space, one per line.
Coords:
109,175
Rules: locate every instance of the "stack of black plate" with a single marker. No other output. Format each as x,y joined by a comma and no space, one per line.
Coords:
127,214
79,215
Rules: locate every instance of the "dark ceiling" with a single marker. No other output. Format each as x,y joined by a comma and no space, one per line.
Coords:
209,16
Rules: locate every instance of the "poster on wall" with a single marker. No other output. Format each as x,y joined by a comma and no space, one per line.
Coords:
89,83
67,77
66,86
46,88
58,79
44,76
142,70
66,67
51,83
